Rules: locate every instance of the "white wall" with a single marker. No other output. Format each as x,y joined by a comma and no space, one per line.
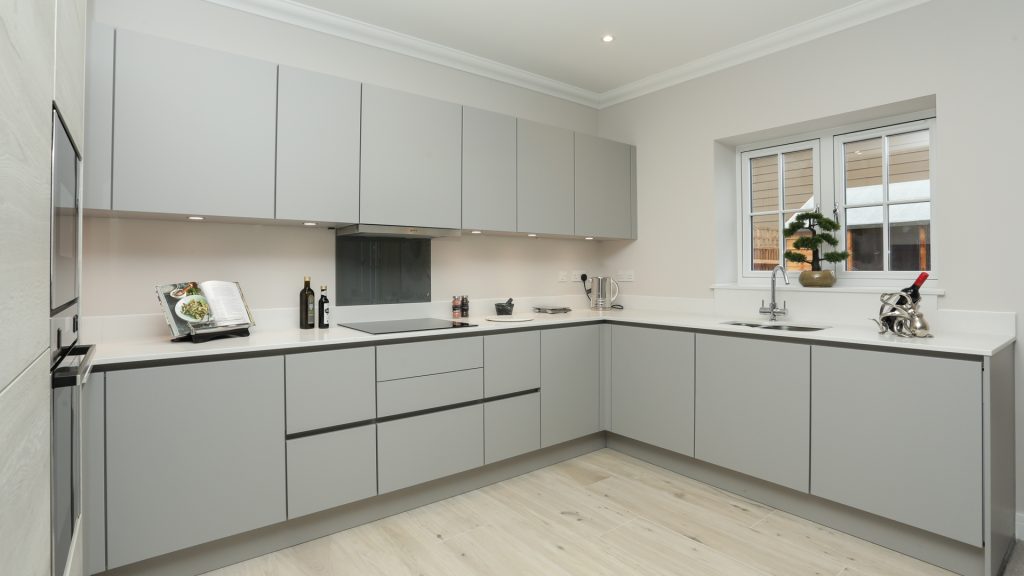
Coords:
269,261
968,54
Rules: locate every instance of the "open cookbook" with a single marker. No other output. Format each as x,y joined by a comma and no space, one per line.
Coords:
201,311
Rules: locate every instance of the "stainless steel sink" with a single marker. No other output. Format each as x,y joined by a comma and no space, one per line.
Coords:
741,323
792,328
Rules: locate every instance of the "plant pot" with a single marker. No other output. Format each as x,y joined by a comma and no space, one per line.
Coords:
817,278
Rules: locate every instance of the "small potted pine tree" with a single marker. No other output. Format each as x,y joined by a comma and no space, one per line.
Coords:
820,235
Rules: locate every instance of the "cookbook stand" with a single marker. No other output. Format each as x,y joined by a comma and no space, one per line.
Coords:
200,337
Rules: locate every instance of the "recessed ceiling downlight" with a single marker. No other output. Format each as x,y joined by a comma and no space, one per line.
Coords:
607,38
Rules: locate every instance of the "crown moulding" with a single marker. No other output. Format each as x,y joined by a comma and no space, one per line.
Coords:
298,14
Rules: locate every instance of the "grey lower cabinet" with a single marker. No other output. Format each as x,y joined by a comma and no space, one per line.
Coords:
330,388
429,357
511,362
603,185
544,179
318,120
753,402
488,171
652,386
421,448
194,453
331,469
411,162
511,427
900,436
194,130
570,383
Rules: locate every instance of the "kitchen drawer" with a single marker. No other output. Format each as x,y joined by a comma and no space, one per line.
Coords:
511,427
430,357
511,363
414,450
329,388
328,470
434,391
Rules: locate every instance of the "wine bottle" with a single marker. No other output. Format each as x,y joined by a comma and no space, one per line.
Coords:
324,308
914,290
307,306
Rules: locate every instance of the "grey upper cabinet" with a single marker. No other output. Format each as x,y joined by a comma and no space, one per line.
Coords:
99,117
652,386
317,147
488,171
753,407
544,179
603,186
195,452
511,362
900,436
570,383
193,130
411,160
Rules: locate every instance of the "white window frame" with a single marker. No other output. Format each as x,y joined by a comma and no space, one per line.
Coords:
746,256
831,176
838,146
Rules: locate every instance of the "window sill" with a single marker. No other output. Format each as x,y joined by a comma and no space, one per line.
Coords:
838,288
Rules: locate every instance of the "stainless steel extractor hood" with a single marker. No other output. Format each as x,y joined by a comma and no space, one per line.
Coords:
377,230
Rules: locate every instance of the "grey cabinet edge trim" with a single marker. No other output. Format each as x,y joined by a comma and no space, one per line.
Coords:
116,366
389,418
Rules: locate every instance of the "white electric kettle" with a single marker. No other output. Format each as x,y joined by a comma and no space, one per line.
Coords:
602,292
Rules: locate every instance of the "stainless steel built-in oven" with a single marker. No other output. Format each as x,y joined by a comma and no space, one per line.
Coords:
70,363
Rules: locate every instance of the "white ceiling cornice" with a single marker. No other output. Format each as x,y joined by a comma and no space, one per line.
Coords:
312,18
830,23
302,15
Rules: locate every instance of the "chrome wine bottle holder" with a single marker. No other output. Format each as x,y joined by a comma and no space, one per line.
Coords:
899,315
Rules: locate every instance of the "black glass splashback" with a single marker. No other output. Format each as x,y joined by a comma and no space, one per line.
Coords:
381,270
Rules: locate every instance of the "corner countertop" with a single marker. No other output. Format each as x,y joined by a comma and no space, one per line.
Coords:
146,350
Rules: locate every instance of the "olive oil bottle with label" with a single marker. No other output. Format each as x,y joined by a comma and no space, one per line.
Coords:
323,316
307,306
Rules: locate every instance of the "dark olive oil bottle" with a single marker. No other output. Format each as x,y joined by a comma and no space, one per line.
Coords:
307,306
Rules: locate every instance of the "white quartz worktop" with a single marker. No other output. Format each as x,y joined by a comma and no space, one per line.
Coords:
264,340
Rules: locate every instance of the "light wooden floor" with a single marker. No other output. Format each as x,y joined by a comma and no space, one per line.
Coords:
600,514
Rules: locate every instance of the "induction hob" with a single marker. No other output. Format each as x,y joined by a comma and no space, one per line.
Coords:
409,325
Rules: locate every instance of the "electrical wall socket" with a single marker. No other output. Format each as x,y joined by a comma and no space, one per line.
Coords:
623,276
563,276
576,274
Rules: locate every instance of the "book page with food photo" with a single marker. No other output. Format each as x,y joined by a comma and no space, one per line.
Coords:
199,311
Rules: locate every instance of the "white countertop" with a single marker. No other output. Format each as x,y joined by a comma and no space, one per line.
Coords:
149,349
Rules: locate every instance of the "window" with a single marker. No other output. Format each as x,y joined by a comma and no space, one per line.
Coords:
884,190
876,182
778,183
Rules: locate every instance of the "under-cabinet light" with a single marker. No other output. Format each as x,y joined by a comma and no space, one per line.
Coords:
196,218
607,38
309,223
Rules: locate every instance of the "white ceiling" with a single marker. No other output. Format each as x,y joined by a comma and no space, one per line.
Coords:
555,45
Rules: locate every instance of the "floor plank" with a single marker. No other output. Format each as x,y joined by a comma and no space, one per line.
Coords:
603,513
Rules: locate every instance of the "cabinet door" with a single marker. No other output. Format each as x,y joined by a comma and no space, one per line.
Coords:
652,386
570,383
411,160
511,427
193,130
899,436
544,179
329,388
429,357
603,204
511,363
194,453
422,448
99,117
753,407
488,171
317,147
328,470
407,395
